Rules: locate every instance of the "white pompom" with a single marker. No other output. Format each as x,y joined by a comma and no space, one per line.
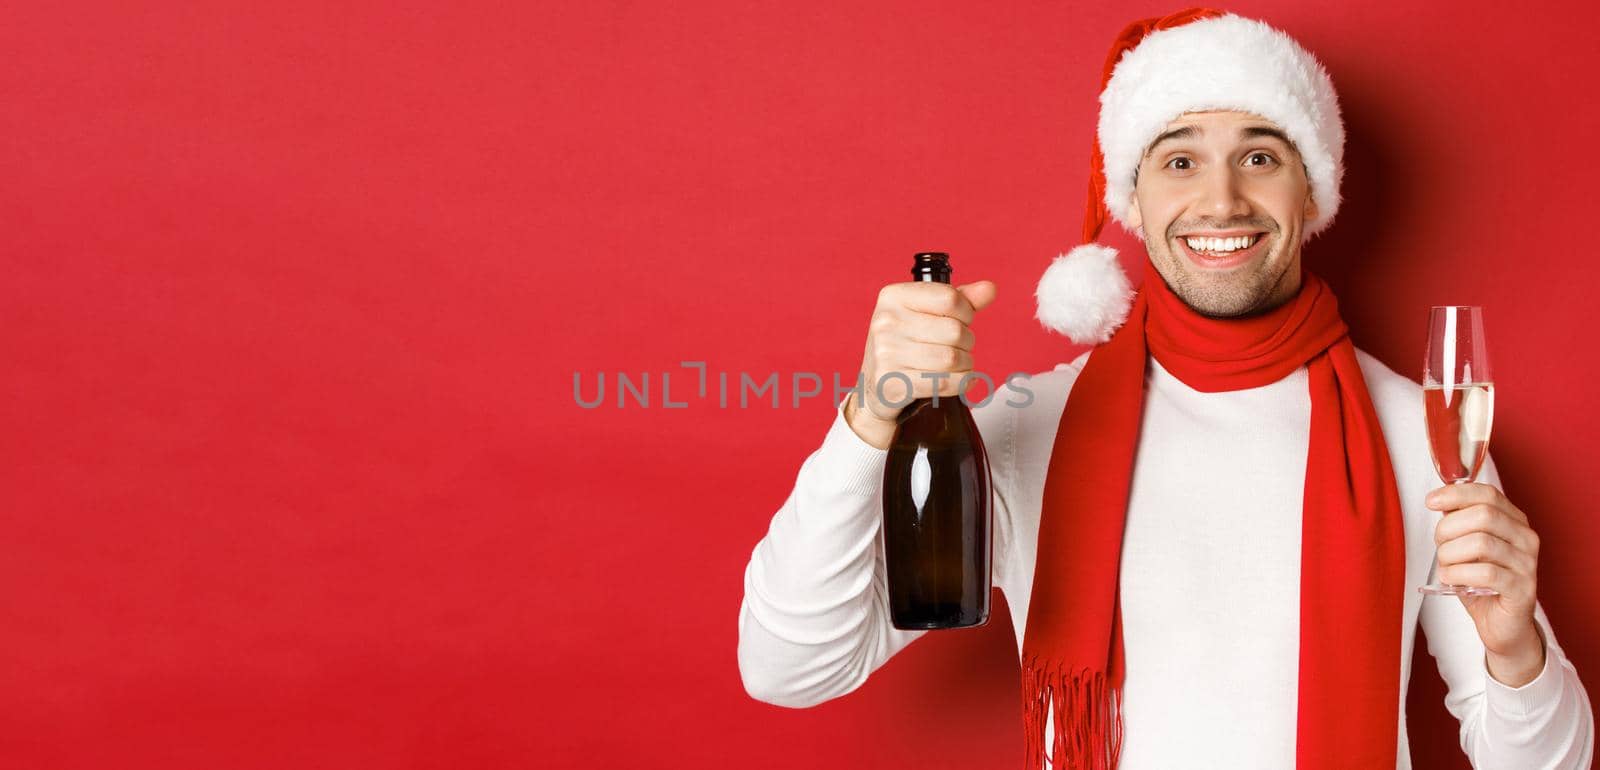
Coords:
1084,294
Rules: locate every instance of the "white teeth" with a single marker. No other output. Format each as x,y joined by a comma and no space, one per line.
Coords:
1220,245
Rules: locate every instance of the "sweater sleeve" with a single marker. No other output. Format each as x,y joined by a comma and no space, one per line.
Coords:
1546,724
814,621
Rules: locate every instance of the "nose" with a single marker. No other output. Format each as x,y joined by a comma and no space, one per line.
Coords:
1220,198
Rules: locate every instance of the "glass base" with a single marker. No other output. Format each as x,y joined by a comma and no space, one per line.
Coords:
1442,589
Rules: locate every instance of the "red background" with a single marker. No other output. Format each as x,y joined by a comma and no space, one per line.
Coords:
294,293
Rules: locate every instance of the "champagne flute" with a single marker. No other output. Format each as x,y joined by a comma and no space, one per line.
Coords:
1458,404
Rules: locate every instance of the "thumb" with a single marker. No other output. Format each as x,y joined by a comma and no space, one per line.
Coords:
979,293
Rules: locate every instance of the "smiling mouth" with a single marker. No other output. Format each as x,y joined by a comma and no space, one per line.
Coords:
1210,246
1222,251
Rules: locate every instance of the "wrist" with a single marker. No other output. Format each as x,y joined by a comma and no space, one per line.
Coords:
866,426
1522,661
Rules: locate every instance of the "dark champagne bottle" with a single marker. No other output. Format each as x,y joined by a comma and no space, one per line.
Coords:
937,527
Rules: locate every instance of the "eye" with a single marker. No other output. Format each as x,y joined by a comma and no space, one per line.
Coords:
1180,163
1259,159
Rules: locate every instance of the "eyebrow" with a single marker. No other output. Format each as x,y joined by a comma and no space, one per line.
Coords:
1248,132
1184,132
1255,132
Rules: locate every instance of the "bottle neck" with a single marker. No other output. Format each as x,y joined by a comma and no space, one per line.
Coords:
931,267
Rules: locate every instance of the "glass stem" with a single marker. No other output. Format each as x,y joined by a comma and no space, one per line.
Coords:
1433,567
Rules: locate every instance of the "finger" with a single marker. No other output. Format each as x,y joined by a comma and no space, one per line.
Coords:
1485,518
945,383
934,299
1454,496
891,391
1457,496
938,330
1484,547
928,357
1510,584
901,386
978,293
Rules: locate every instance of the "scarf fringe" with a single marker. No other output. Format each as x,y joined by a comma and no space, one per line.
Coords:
1088,717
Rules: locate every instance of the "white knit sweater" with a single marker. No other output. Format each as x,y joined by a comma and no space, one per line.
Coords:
1209,579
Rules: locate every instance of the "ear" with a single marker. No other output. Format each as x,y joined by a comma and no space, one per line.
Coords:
1135,218
1311,206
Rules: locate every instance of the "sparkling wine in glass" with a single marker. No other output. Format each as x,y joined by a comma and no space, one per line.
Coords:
1458,405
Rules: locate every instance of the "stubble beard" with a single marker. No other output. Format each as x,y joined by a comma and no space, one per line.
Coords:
1223,296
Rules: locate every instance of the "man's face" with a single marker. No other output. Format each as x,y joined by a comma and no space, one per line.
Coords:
1229,176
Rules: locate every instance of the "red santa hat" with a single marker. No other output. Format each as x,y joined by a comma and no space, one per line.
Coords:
1191,61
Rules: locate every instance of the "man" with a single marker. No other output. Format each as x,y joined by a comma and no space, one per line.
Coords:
1210,528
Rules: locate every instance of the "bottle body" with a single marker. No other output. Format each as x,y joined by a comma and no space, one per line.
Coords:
938,530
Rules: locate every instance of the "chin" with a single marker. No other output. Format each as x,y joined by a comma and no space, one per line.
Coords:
1236,292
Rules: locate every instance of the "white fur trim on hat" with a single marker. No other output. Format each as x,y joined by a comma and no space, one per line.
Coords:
1084,294
1222,63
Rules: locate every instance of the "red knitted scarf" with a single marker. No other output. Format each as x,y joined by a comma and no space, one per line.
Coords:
1352,568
